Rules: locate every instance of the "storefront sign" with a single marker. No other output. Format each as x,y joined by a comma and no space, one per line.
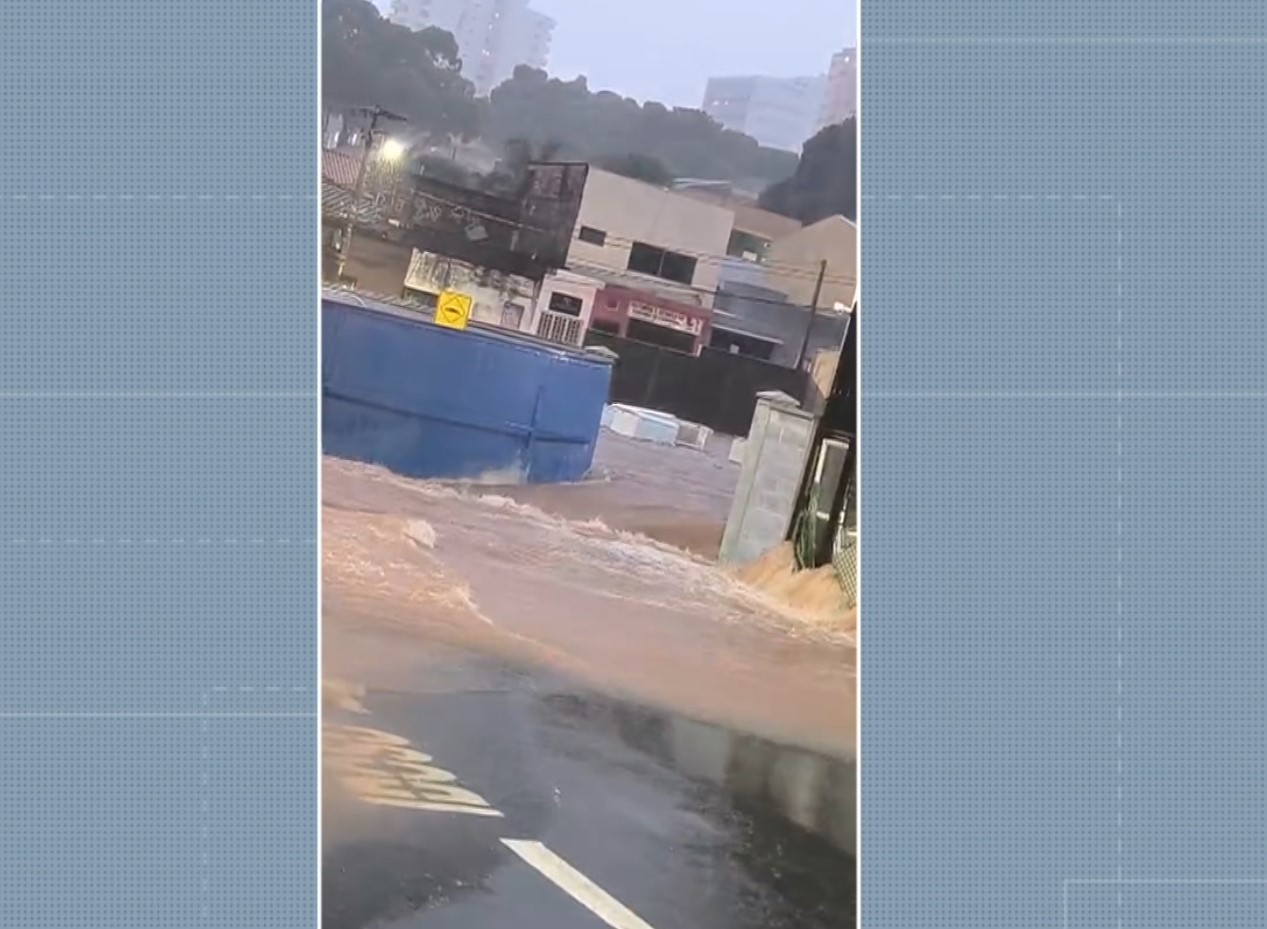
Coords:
662,316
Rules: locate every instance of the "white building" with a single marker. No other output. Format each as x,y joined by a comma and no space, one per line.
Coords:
778,112
493,36
564,308
643,236
793,259
840,100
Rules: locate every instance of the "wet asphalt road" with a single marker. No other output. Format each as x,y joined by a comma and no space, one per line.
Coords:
588,779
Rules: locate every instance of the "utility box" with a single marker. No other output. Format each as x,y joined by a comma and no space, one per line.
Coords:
769,478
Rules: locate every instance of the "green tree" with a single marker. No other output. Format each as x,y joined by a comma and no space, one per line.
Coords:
367,60
825,182
639,167
598,126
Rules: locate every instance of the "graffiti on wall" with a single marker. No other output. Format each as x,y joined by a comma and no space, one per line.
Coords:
497,298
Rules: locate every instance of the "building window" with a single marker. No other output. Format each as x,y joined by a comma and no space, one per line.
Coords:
747,246
592,236
671,266
566,304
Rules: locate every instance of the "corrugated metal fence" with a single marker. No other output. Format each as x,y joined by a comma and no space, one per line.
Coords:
426,401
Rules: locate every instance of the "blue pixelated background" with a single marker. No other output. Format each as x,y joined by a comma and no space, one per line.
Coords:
158,464
1064,468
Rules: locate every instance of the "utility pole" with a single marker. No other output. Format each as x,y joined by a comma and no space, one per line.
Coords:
813,314
376,113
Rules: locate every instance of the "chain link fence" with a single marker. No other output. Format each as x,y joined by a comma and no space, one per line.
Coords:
845,561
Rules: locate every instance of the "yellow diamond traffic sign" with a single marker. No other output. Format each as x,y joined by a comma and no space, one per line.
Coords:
453,309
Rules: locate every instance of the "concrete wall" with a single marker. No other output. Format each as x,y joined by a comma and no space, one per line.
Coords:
774,459
714,389
628,210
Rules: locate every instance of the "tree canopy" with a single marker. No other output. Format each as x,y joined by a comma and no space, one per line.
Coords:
639,167
825,182
368,60
604,126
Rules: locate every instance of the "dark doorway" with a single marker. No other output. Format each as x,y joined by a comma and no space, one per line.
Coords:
740,343
641,331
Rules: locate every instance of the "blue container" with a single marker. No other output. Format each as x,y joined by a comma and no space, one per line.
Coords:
431,402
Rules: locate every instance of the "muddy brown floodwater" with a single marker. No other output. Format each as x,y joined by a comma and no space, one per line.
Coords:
588,579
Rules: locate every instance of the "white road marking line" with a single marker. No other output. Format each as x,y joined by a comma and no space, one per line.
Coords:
576,885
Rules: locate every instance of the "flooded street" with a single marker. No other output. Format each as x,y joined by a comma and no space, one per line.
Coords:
561,577
530,682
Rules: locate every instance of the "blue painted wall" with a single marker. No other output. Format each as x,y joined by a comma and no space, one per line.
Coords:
426,401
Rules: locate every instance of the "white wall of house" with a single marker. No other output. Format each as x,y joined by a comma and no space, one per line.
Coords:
793,263
498,299
546,317
569,284
619,211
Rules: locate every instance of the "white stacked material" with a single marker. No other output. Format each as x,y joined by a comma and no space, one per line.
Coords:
693,435
648,425
608,411
737,449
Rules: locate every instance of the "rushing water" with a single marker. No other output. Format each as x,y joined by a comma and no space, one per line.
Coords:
588,579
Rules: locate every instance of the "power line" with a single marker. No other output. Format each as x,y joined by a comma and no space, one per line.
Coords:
800,270
674,285
790,269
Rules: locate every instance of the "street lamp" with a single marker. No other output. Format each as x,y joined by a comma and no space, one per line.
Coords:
391,150
375,113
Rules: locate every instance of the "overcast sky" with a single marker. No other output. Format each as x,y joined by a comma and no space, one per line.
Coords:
666,49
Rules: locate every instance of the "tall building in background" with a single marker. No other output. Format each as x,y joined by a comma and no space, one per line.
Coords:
777,112
494,36
840,101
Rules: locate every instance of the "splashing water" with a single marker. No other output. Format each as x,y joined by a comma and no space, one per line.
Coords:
552,582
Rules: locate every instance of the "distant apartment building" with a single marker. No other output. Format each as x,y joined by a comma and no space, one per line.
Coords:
493,36
778,112
840,99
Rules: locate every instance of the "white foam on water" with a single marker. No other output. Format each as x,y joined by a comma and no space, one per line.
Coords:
421,532
509,476
590,556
